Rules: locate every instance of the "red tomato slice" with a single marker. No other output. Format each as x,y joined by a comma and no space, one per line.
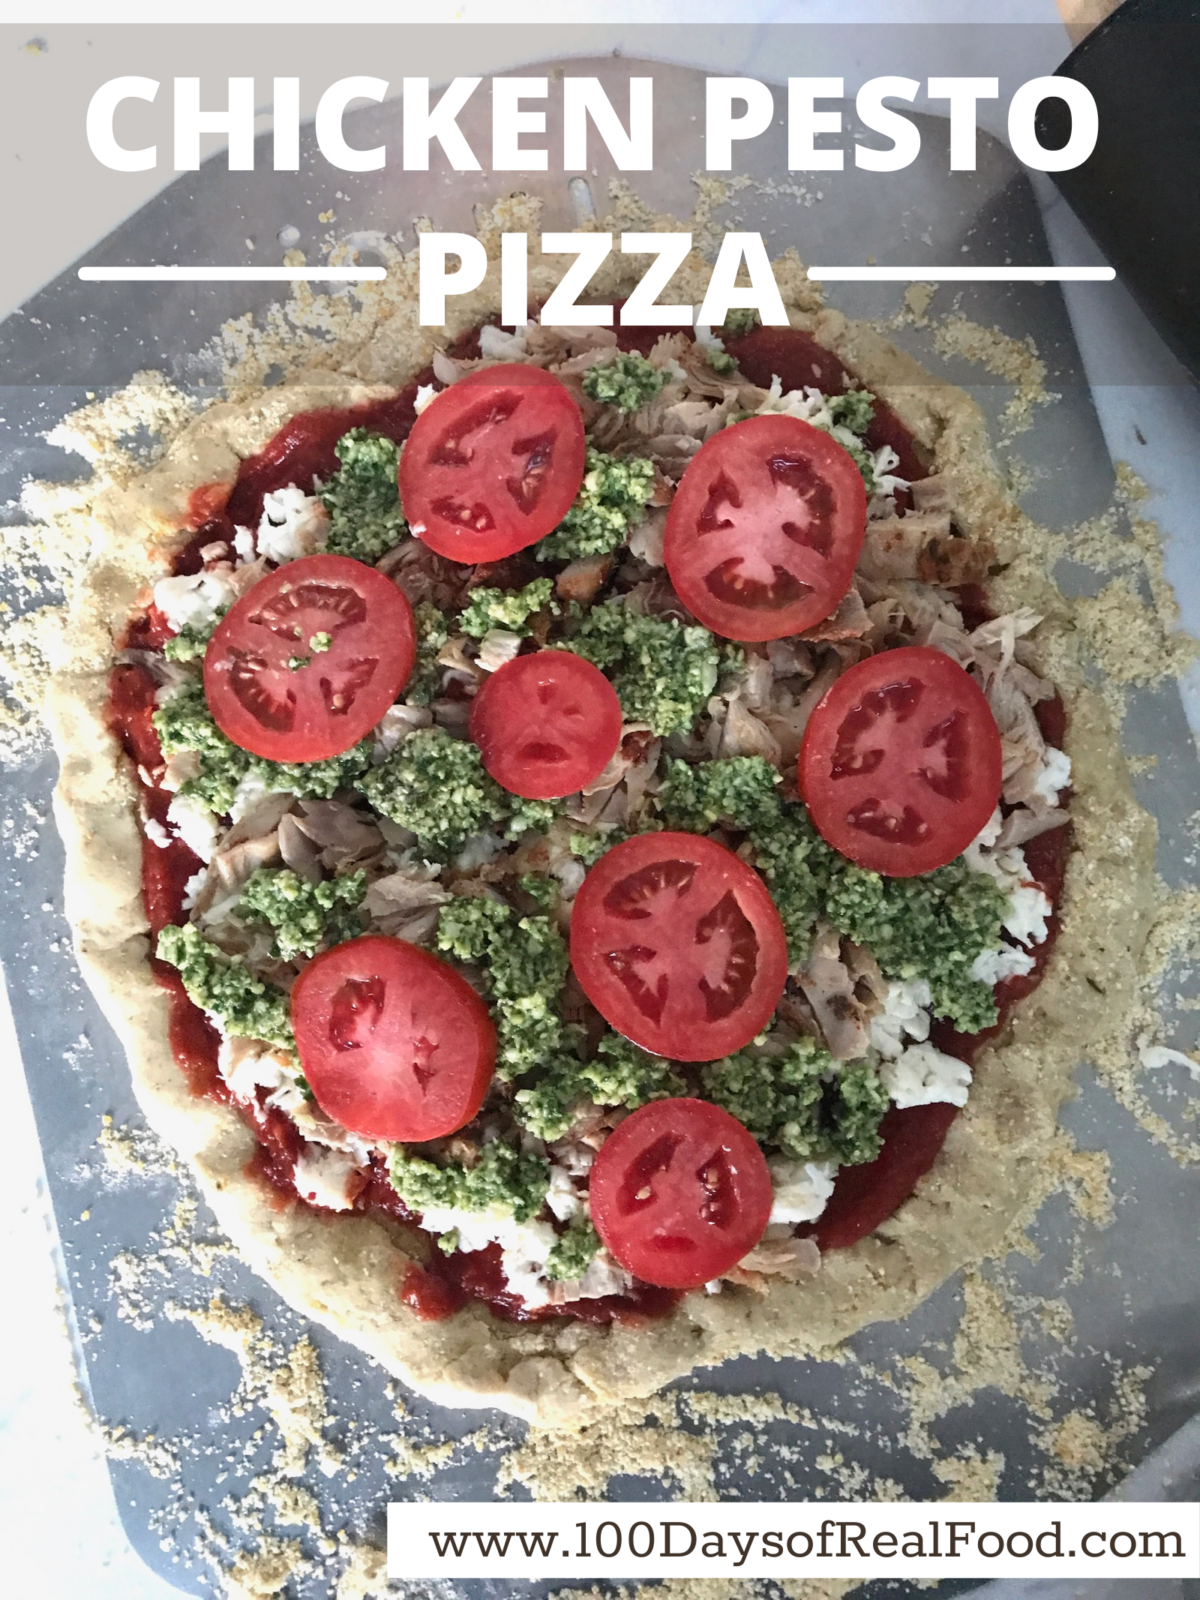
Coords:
765,528
271,686
679,1193
394,1043
678,945
546,724
493,463
901,762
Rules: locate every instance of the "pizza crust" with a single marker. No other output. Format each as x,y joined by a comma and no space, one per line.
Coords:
344,1272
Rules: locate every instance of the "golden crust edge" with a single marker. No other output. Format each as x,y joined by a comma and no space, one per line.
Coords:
548,1373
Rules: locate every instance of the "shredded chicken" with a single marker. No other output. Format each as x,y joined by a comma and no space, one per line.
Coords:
831,990
582,580
775,1258
405,903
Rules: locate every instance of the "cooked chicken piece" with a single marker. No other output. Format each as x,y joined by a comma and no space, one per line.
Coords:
298,850
849,621
775,1258
422,575
830,990
584,579
228,873
343,835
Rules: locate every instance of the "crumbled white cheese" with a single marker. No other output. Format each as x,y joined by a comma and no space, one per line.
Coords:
244,545
707,338
562,1196
1054,774
496,345
991,966
155,832
195,825
195,599
425,393
802,1188
495,1225
192,888
328,1178
1028,908
904,1017
247,1065
293,524
984,840
923,1075
497,647
1028,904
1156,1056
478,851
249,792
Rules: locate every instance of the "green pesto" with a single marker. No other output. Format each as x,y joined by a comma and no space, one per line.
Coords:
662,671
611,500
799,1101
720,361
627,383
589,847
221,984
740,320
514,1180
540,888
931,927
190,643
741,792
363,501
436,786
524,960
432,635
575,1251
305,916
511,609
854,410
185,723
620,1075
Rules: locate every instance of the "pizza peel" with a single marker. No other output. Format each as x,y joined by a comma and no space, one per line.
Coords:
1130,1287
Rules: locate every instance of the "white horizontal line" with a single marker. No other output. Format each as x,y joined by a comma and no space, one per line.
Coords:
962,274
233,274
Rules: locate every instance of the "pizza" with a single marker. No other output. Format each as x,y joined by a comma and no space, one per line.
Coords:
598,849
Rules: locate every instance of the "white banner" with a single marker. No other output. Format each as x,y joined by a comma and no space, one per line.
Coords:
635,1539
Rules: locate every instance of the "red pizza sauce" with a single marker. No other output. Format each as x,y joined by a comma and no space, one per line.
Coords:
302,451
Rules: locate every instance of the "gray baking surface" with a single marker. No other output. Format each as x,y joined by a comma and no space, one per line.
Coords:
1130,1286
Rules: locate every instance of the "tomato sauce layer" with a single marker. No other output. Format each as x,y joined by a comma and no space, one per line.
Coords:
303,451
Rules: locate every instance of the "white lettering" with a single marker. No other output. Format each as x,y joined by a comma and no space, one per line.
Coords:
509,122
805,122
1022,132
964,95
237,122
560,309
584,98
421,125
514,279
641,310
100,136
721,127
905,135
331,108
722,295
285,117
433,252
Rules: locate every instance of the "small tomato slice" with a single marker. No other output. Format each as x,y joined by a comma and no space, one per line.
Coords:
901,763
393,1043
679,1193
493,463
765,528
546,724
309,659
678,945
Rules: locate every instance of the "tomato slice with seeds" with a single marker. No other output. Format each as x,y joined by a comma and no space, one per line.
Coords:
901,762
493,463
309,659
546,724
393,1043
765,528
679,1193
678,945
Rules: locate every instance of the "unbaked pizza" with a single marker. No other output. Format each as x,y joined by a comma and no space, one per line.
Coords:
576,843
